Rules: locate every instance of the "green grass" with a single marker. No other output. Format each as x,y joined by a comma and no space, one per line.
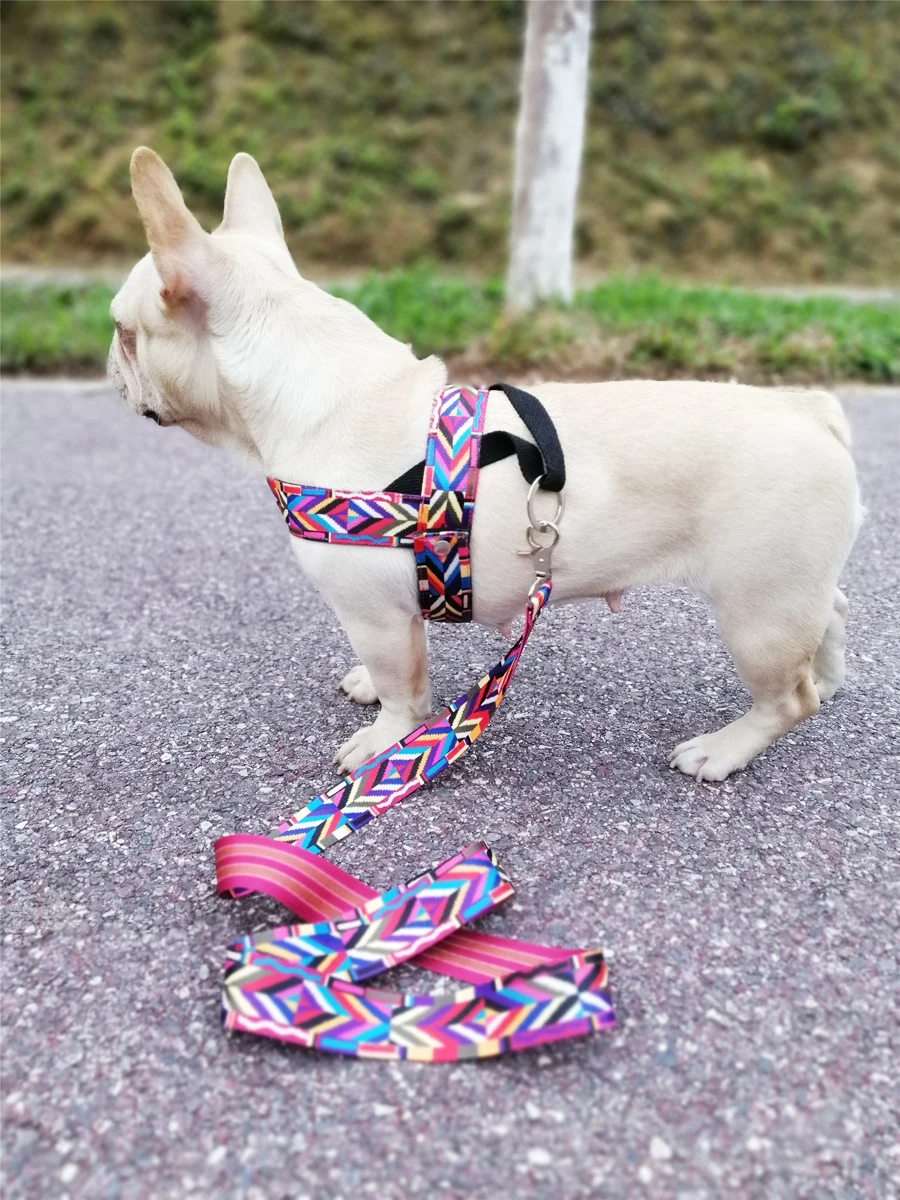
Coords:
47,329
641,326
715,330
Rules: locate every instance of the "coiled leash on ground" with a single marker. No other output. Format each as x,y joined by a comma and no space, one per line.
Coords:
301,983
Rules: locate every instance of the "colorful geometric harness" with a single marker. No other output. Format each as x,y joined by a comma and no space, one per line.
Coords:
435,524
301,983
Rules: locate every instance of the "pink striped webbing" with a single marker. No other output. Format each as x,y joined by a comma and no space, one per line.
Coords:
316,890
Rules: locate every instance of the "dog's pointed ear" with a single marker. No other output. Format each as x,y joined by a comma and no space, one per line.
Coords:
249,204
177,242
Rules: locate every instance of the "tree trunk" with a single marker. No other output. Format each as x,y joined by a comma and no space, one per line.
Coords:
549,138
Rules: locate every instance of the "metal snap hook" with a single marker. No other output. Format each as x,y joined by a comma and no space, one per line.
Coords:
540,551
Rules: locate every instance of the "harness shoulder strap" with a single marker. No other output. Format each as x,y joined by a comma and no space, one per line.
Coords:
542,429
449,483
545,459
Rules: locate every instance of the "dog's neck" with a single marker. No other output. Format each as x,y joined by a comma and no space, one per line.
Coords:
327,398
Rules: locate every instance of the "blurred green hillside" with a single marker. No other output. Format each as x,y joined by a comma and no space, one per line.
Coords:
727,140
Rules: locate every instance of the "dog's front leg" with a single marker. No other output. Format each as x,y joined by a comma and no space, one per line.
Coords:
357,686
393,648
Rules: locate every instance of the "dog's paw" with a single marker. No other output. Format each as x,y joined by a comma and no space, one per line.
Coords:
710,757
369,741
357,684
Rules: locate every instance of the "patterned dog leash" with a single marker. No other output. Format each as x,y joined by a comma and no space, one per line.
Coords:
523,994
298,983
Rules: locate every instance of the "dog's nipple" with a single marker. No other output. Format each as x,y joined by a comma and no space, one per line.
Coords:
614,600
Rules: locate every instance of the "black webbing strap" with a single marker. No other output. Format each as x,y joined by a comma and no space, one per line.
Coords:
542,429
545,458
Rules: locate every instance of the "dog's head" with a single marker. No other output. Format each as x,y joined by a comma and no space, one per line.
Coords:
189,314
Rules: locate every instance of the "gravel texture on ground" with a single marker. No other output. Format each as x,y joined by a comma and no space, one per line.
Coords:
169,676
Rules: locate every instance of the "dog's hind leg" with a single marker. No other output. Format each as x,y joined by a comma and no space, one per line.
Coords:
828,667
394,651
773,641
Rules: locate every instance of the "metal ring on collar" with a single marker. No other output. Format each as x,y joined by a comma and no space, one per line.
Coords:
537,522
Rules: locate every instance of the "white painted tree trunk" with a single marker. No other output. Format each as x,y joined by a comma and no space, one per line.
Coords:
549,139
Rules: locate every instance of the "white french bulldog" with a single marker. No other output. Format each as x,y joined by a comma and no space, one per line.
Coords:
748,495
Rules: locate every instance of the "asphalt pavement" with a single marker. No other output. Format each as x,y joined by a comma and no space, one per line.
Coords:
169,676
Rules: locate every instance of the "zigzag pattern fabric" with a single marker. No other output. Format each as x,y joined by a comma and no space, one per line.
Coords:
436,524
301,983
316,890
449,483
564,1000
364,941
403,768
330,515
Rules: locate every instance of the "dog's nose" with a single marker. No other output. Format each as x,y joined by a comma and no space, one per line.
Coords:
152,416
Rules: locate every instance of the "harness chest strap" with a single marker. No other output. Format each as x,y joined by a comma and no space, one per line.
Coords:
435,523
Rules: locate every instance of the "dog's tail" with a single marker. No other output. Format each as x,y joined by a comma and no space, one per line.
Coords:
828,410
